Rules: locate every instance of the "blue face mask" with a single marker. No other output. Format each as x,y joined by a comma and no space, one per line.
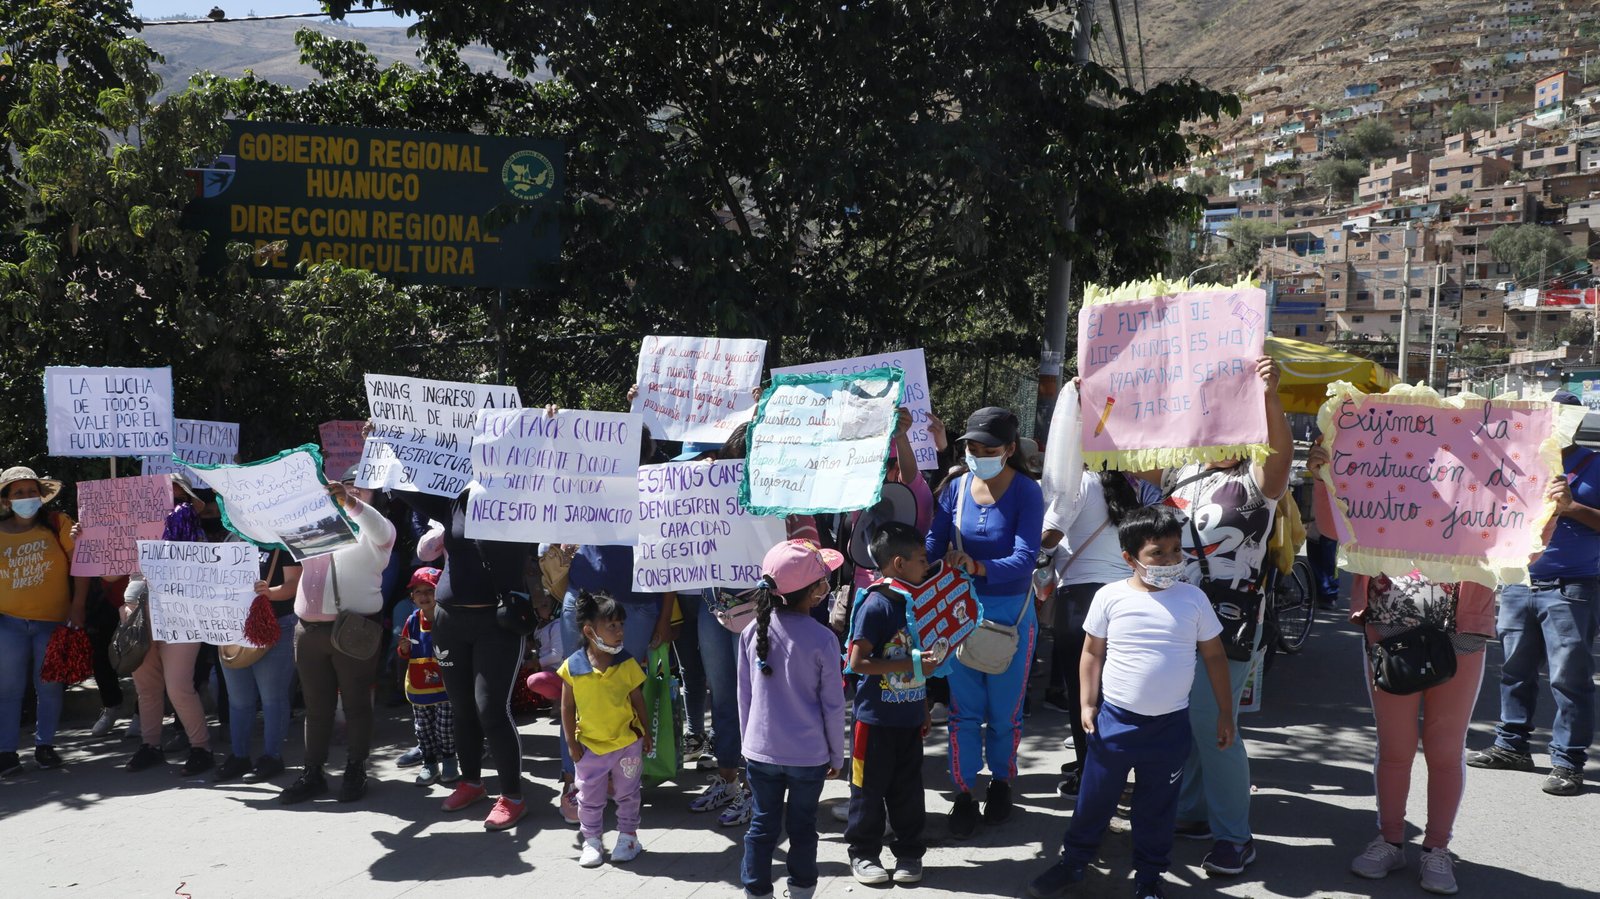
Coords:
27,508
985,467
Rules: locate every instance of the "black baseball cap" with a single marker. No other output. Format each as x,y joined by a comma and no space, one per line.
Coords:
992,426
1565,398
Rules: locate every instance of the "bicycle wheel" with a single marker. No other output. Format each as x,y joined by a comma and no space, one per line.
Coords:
1295,608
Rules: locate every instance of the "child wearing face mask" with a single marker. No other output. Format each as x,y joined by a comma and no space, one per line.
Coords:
603,715
1137,668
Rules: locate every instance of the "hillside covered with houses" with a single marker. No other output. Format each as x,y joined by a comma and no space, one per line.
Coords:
1447,158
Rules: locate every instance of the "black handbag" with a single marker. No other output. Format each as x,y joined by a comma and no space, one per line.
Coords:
130,642
1412,661
1238,610
516,614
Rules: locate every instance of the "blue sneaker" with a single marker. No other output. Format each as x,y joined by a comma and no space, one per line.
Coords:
411,758
1229,858
1056,880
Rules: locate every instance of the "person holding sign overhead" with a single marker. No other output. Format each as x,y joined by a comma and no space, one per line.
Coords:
1553,620
37,595
348,579
988,523
1230,506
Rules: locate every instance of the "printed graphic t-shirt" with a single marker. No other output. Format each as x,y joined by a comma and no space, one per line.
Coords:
891,700
34,569
1233,517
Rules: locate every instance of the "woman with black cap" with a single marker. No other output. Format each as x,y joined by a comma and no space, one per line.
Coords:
37,594
988,523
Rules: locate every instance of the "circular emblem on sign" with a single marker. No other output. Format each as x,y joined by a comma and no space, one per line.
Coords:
528,175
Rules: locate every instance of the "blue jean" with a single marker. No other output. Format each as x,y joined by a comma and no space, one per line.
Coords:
1216,782
986,709
1322,554
269,681
769,820
693,670
1554,623
637,629
719,656
1154,747
22,645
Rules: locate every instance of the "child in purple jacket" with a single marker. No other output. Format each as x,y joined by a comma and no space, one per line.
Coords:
791,714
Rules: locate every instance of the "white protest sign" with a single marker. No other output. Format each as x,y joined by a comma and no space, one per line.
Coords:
282,503
567,478
342,445
423,440
114,515
697,389
820,443
206,442
199,592
692,531
917,399
108,411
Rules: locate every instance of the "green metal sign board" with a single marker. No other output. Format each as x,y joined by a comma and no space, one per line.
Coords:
416,207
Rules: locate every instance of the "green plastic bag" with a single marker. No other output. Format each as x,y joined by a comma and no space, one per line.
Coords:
663,704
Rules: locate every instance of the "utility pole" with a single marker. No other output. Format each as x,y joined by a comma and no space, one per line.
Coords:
1405,306
1433,341
1053,353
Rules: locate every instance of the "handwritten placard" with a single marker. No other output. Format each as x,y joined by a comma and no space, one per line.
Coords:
944,610
199,592
563,478
282,503
342,445
1169,375
114,515
917,397
423,436
820,443
692,531
206,442
1451,486
697,389
108,411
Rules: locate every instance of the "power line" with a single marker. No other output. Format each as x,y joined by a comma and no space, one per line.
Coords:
1138,32
1122,42
292,15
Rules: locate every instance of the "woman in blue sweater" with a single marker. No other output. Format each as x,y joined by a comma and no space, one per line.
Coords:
988,523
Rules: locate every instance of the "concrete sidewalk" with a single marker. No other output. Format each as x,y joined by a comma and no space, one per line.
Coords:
93,830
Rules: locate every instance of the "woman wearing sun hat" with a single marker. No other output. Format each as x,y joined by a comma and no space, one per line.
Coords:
37,595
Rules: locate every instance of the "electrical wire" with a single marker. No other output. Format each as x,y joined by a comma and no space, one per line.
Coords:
1122,42
290,15
1138,32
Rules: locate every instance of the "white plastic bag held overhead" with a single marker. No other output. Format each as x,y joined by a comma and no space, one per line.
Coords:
1063,460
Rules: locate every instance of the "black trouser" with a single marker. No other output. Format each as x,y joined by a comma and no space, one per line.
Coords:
1072,604
101,625
480,661
885,780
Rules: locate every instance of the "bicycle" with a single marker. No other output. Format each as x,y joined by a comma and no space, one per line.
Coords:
1290,611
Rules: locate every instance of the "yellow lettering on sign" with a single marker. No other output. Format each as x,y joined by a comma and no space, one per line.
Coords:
427,156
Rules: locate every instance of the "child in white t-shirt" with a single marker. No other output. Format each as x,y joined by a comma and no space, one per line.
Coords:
1137,667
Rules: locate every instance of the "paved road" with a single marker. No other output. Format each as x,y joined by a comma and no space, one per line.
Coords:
93,830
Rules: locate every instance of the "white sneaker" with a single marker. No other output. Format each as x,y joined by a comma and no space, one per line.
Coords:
593,854
801,892
1439,872
739,812
104,724
939,714
627,848
1378,859
718,793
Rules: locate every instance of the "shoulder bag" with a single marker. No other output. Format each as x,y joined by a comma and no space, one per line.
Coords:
131,640
990,648
1417,658
354,635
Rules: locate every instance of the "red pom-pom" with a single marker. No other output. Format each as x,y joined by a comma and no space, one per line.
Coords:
68,657
261,626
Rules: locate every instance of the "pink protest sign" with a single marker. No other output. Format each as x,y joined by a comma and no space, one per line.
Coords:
114,515
1169,375
341,446
1452,486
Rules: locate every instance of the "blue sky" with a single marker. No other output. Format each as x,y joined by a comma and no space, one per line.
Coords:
198,8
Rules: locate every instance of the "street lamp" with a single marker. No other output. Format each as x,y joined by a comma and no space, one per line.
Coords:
1203,268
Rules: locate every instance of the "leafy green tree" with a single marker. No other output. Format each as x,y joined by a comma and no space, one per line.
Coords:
1206,185
1369,139
848,165
1341,176
1536,253
1468,118
1245,239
